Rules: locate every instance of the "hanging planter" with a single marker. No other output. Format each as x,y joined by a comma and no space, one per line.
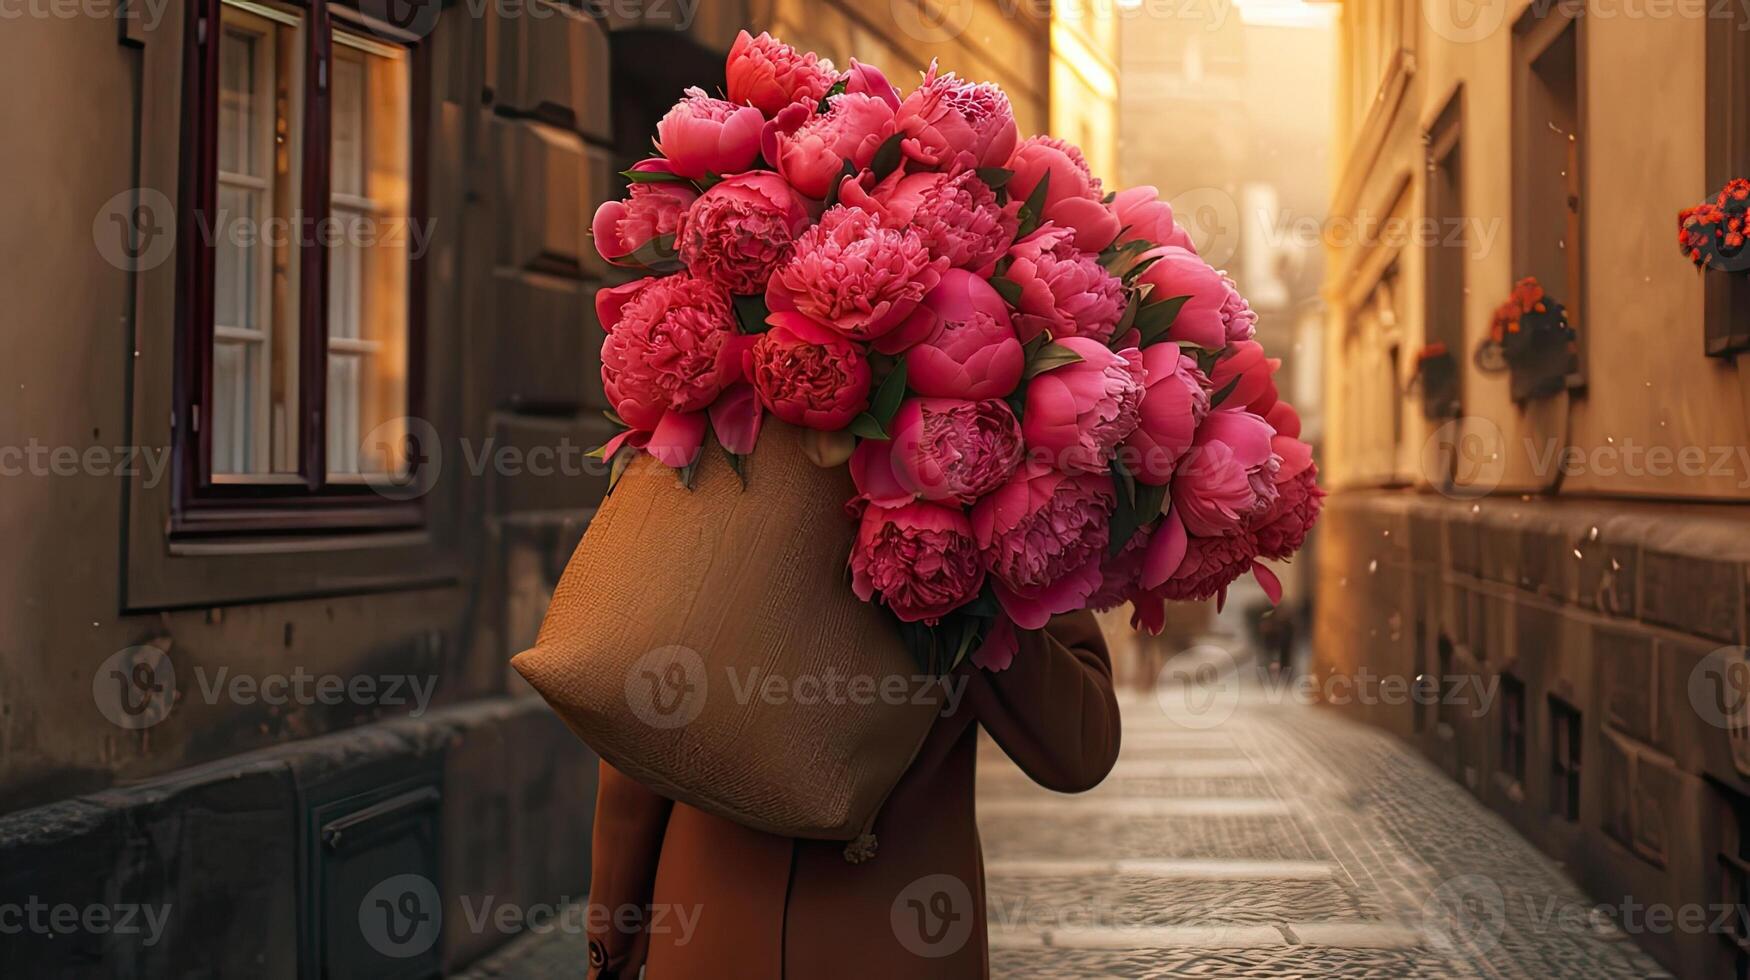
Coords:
1437,379
1711,234
1530,337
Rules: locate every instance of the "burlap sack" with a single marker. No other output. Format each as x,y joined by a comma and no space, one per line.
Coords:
707,644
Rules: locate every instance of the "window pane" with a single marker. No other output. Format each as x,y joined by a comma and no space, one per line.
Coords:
367,267
255,336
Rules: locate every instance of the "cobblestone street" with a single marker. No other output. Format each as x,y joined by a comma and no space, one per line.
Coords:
1254,837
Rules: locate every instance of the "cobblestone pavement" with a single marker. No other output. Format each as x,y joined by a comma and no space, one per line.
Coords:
1253,837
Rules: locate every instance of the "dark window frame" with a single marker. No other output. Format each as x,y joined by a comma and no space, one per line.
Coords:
1726,296
1514,720
1445,141
199,505
1567,733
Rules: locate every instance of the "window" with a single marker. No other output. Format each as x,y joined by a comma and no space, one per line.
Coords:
1565,734
1513,728
1548,186
298,302
1446,251
1727,305
1735,886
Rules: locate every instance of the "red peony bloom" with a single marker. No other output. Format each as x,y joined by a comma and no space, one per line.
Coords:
919,558
816,386
768,74
968,347
1175,402
1064,290
956,215
1229,477
1144,217
639,232
1203,320
741,229
810,149
702,135
852,278
1073,199
1282,529
950,449
1077,414
1211,564
949,123
1255,390
1043,535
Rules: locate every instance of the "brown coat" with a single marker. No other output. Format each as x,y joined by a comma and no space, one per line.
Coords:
728,903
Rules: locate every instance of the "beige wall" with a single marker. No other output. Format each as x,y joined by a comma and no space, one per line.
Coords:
1650,383
1085,81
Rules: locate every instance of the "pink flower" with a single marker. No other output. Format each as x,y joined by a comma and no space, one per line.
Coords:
1078,413
1244,366
1179,272
869,80
1145,218
639,232
1211,564
949,123
1229,476
1072,199
1174,403
810,149
1284,419
950,449
1120,573
702,135
1042,535
741,229
919,558
852,278
768,74
957,215
1064,290
1283,528
668,354
1237,315
968,347
816,386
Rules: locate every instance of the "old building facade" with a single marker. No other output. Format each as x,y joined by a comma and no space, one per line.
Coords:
284,499
1578,548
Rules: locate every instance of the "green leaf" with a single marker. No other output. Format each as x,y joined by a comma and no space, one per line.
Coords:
1033,209
653,177
737,462
617,468
657,255
1124,483
752,312
1050,358
689,473
865,425
888,397
1149,501
1126,321
995,178
1031,348
1008,289
614,417
886,159
1206,359
1216,399
709,181
832,193
1155,319
1117,259
838,88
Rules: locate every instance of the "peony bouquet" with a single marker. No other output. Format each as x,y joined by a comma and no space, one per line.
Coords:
1048,402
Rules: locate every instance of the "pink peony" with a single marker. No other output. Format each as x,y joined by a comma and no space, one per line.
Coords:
1211,564
1244,366
1228,478
919,558
952,449
1284,419
816,386
1179,272
1078,413
1043,535
852,278
1072,198
667,356
1064,290
1237,314
1145,218
768,74
952,124
702,135
957,215
1282,529
741,229
639,232
1120,573
810,149
968,347
1175,402
869,80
